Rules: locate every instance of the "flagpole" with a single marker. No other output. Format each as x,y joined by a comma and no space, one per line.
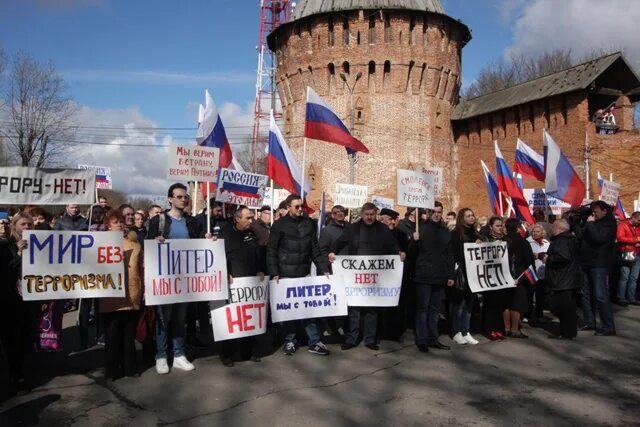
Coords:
586,165
304,161
208,205
501,207
272,200
195,198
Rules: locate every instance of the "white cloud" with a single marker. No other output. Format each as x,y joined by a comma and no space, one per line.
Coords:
159,76
581,25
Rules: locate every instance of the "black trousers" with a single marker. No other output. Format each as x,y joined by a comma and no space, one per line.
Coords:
245,348
563,304
493,304
86,304
197,311
120,345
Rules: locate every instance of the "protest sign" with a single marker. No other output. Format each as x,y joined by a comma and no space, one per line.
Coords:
103,175
72,264
415,189
350,196
279,194
193,163
436,173
487,266
246,313
241,188
185,270
539,200
610,192
636,205
370,281
32,186
307,297
382,202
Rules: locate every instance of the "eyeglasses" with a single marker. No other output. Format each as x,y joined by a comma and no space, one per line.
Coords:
296,207
337,213
180,197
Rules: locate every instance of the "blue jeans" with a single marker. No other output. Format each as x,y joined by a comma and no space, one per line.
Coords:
595,296
370,325
461,314
170,324
428,302
310,327
628,281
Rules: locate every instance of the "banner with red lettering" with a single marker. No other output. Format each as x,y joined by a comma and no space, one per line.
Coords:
370,281
72,264
307,298
184,270
246,313
32,186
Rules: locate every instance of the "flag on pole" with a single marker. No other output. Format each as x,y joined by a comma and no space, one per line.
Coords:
531,274
322,217
323,124
211,132
528,162
492,190
561,180
508,185
282,166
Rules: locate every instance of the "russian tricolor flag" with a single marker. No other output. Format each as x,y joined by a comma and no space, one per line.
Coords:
531,274
507,184
528,162
561,180
281,164
492,189
323,124
211,132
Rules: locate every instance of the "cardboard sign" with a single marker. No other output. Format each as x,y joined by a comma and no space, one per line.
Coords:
538,199
438,180
415,189
487,266
72,264
370,281
279,194
307,298
382,202
241,188
185,270
246,313
103,176
610,192
350,196
32,186
193,163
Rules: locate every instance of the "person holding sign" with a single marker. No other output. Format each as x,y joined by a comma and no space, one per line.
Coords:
173,224
293,244
245,258
366,237
462,299
14,322
121,314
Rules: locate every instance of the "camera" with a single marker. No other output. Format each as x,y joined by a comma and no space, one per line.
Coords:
577,217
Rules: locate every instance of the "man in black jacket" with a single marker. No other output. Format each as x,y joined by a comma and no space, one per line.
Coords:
245,258
293,244
434,267
366,237
597,249
173,224
562,276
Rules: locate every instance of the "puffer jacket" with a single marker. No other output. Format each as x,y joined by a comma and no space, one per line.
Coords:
133,278
628,237
562,269
434,263
71,223
293,245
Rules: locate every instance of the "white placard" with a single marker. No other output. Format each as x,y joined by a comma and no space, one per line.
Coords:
382,202
437,179
307,298
103,176
636,205
487,266
370,281
72,264
350,196
193,163
279,195
246,313
185,270
32,186
610,192
538,199
241,188
415,189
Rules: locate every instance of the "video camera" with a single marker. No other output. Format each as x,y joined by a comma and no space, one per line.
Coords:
577,217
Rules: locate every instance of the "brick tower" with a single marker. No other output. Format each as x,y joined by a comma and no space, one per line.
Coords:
401,59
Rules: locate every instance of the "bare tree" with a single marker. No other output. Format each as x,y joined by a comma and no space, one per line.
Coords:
37,111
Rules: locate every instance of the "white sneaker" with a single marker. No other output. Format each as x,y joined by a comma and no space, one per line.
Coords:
470,340
181,362
162,367
459,339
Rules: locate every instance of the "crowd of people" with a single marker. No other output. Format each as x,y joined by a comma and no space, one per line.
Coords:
580,259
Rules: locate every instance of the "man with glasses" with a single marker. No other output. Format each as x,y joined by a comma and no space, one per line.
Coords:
293,244
173,224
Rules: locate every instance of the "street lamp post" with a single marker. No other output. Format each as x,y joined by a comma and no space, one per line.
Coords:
352,119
